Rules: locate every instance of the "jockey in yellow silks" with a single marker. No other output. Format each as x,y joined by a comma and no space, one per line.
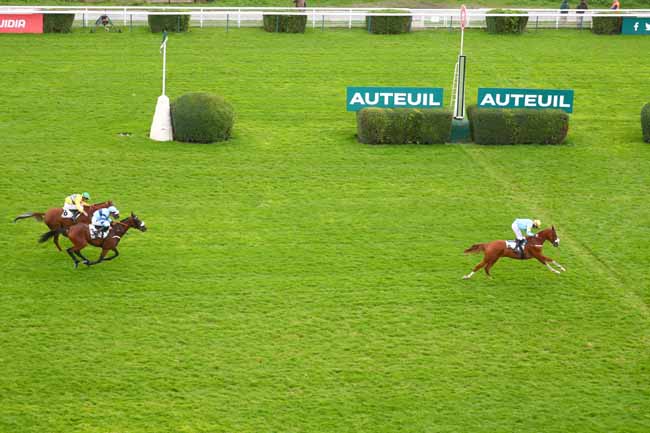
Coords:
74,205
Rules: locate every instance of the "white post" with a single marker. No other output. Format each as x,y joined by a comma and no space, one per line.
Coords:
350,20
201,17
124,17
238,18
164,67
161,126
462,39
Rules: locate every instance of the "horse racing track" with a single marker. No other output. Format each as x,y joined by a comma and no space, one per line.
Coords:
295,280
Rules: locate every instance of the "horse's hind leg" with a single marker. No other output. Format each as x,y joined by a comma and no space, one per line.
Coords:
489,266
476,268
56,241
76,262
81,256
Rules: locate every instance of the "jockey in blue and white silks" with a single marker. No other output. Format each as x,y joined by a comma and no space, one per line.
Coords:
102,218
524,224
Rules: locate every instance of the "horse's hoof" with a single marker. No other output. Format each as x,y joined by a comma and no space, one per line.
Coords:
86,262
76,265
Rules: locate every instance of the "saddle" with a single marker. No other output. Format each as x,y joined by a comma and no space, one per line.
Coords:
513,246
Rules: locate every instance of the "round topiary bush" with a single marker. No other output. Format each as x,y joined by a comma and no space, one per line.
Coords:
202,118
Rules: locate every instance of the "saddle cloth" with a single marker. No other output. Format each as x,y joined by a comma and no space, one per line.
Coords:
66,214
97,234
511,244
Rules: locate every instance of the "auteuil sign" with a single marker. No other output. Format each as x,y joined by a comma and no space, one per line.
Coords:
393,97
526,98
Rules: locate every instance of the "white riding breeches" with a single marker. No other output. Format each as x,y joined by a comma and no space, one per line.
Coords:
518,234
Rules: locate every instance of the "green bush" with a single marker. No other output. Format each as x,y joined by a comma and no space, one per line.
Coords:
170,23
389,24
285,23
403,126
517,126
506,24
201,118
606,25
57,23
645,122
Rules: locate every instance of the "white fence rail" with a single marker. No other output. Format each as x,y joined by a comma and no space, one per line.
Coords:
319,17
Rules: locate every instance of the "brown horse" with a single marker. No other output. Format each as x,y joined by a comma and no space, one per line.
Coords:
79,235
494,250
54,220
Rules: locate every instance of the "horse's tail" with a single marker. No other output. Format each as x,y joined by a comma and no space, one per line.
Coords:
38,216
47,235
475,248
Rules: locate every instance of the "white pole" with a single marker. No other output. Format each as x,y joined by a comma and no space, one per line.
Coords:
462,39
164,67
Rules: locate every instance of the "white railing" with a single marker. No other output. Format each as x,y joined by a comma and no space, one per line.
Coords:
320,17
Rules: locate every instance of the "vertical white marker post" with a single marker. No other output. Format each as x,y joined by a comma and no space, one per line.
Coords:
161,127
459,90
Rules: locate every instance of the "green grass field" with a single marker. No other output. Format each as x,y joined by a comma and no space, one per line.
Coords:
293,280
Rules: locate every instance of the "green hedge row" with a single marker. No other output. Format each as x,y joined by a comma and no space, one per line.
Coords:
285,23
170,23
202,118
57,23
606,25
403,126
506,24
389,24
517,126
645,122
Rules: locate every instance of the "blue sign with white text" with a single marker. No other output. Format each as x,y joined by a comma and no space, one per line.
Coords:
636,26
393,97
526,98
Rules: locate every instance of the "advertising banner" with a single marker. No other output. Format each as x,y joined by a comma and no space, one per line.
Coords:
393,97
636,26
526,98
21,23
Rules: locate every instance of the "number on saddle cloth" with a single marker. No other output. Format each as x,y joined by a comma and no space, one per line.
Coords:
67,214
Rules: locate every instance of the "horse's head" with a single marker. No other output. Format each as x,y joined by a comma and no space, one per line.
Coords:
550,235
136,223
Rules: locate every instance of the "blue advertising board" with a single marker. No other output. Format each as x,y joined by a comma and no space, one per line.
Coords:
526,98
636,26
393,97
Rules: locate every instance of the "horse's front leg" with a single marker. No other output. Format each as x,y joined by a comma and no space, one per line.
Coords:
113,256
543,259
100,259
558,265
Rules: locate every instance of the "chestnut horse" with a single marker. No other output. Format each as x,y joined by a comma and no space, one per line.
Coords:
79,235
493,251
55,221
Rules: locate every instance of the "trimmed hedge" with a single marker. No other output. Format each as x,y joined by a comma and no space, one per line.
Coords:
606,25
285,23
507,24
517,126
389,24
645,122
202,118
403,126
170,23
57,23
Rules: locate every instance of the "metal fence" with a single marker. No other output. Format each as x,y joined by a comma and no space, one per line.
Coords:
320,18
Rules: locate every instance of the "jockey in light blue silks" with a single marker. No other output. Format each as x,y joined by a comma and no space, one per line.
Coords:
524,224
102,219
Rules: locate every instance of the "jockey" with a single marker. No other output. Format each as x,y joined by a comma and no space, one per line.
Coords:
524,224
75,203
102,219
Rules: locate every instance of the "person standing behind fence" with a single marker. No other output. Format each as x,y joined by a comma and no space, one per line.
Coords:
616,5
564,9
582,6
300,3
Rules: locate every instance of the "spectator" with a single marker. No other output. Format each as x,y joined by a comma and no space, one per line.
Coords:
564,9
581,8
616,5
300,3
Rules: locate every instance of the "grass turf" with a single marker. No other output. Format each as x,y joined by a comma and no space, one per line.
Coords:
294,280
